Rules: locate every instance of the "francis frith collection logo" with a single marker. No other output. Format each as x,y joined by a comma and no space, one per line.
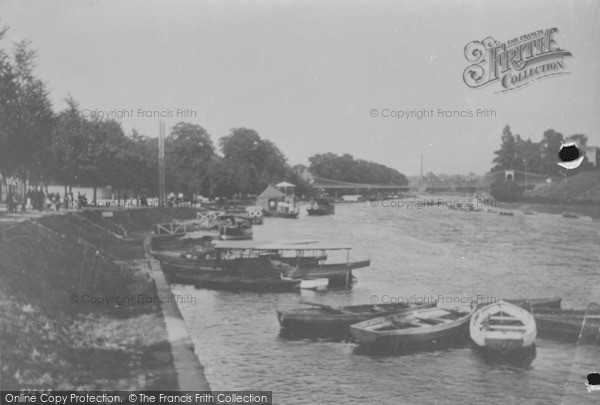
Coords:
515,63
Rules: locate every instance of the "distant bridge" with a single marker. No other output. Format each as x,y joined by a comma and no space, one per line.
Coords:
336,186
526,180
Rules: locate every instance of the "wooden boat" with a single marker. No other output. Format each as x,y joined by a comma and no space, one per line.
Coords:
298,261
570,215
529,303
328,321
573,325
321,206
504,330
414,329
528,212
506,213
240,284
307,261
235,227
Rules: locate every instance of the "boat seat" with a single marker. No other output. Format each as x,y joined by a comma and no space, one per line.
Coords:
433,321
507,327
503,318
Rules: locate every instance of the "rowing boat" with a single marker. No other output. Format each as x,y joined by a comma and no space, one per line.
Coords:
504,330
414,329
321,320
529,303
574,325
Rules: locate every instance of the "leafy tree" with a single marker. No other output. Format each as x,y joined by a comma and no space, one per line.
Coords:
188,151
346,168
549,147
506,157
26,116
254,162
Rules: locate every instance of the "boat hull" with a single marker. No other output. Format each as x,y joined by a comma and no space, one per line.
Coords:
320,211
521,357
398,341
568,325
236,284
334,322
504,330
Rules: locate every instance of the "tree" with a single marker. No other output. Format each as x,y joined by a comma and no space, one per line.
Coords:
26,116
255,162
188,151
549,148
346,168
506,157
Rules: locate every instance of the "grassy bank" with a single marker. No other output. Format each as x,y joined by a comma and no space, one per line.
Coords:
49,337
554,208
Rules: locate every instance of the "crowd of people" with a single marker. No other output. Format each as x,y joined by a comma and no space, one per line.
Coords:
39,200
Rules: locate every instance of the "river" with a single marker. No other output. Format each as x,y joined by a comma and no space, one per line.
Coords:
426,252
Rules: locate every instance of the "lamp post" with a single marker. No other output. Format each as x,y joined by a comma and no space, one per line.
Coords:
525,161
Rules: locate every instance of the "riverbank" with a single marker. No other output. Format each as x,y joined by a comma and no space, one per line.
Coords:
587,210
80,310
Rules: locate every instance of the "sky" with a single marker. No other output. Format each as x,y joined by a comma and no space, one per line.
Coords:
308,75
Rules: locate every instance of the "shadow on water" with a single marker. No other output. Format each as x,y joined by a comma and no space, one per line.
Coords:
397,347
522,358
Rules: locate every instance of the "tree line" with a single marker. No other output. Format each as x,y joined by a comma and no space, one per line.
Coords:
39,146
348,169
537,158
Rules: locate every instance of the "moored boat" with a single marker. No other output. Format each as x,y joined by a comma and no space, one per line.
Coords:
298,261
414,329
528,303
329,321
286,210
321,206
572,325
570,215
504,331
251,284
506,213
235,227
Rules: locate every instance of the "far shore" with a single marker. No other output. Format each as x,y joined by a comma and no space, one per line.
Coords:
586,210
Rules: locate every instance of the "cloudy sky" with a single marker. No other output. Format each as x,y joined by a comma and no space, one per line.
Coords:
306,74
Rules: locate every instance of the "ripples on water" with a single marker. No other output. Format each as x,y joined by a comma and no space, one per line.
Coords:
415,252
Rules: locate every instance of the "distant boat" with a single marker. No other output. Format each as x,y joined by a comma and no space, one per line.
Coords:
321,206
506,213
504,330
329,321
286,210
413,329
569,215
528,212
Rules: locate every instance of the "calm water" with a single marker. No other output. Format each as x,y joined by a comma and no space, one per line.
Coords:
415,252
